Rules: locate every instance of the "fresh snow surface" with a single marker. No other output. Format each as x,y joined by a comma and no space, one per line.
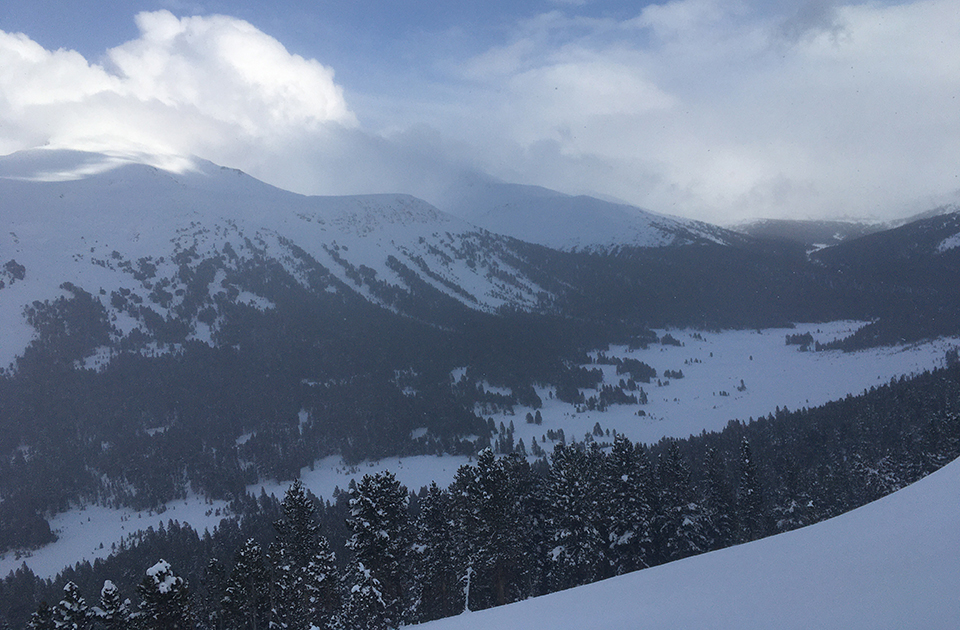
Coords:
91,532
565,222
890,565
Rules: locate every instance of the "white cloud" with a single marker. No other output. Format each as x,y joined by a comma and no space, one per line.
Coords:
704,108
721,111
204,85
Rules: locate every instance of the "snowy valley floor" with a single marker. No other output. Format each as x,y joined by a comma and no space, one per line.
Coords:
890,565
773,373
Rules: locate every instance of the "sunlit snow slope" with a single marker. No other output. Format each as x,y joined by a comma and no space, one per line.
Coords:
891,565
89,219
573,223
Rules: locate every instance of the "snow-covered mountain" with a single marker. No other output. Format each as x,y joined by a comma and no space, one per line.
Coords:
890,564
113,225
572,223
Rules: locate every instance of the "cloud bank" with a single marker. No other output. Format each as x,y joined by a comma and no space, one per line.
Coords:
211,86
702,108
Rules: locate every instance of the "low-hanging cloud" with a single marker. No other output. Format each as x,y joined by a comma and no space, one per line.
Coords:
704,108
199,85
724,111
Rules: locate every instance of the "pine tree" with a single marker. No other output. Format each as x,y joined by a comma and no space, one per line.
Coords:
719,504
72,613
366,608
628,498
307,592
164,600
578,546
246,600
42,618
114,611
494,533
381,540
750,504
680,517
436,569
210,598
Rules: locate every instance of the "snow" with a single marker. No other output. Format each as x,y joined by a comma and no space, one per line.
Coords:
565,222
101,205
949,243
777,375
893,564
90,532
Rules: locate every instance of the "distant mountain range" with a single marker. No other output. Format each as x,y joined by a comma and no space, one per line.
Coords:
819,233
189,328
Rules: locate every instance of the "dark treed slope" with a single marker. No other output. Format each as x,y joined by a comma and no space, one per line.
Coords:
525,530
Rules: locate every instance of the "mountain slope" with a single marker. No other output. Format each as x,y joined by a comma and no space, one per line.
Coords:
890,564
809,233
107,224
573,223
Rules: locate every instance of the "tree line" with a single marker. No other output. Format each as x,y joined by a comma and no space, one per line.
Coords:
506,529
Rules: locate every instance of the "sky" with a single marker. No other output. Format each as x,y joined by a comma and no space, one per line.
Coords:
720,110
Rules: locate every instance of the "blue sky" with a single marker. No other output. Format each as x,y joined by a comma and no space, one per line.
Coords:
711,109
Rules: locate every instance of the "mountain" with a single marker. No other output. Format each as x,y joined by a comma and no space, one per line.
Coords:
810,233
884,565
128,227
176,327
573,223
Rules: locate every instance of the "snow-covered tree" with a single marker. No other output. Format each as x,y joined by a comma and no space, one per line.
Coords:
164,600
436,558
306,574
578,544
719,505
366,608
679,521
752,518
246,596
114,611
629,500
42,618
72,612
494,536
381,539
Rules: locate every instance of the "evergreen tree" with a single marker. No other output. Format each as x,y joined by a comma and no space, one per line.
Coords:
306,574
366,608
628,499
436,566
381,540
680,519
246,599
578,546
72,613
750,505
719,504
494,533
114,611
42,618
164,600
210,599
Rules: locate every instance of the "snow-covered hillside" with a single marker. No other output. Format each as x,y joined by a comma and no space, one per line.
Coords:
105,223
774,374
565,222
891,565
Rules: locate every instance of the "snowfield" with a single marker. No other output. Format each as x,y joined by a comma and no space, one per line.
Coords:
774,374
890,565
